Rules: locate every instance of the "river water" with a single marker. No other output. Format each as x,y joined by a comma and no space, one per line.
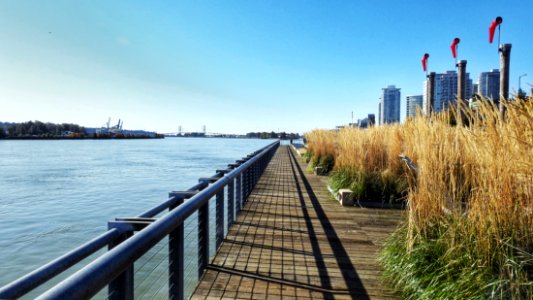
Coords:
55,195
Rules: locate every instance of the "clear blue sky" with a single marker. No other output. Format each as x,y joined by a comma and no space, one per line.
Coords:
238,66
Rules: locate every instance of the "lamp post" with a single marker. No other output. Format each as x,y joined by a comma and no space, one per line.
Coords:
519,83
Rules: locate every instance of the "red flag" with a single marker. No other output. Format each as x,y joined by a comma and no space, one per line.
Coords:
496,22
424,62
453,46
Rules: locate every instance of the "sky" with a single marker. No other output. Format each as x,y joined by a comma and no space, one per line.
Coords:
239,66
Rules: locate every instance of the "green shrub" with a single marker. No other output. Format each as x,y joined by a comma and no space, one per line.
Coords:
346,178
444,265
307,156
370,187
326,162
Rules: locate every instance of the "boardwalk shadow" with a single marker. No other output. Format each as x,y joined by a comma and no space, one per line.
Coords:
287,243
349,273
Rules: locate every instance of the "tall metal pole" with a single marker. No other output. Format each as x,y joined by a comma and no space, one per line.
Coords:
431,93
461,81
461,90
505,61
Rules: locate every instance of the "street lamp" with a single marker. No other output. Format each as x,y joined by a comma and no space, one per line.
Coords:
519,83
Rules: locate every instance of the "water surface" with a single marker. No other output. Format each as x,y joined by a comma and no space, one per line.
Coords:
55,195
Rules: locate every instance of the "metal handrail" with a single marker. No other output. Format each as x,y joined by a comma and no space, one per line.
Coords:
170,202
114,267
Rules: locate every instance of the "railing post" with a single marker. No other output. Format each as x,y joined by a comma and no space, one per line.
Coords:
203,238
243,187
252,168
246,184
239,192
176,252
231,202
252,177
249,182
256,174
121,288
219,220
257,167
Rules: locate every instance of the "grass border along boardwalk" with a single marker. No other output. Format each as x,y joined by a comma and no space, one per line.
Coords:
292,240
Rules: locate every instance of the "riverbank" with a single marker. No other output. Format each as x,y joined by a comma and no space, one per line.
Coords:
37,130
159,136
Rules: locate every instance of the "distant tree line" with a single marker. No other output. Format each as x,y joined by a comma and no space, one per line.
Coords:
273,135
37,129
40,130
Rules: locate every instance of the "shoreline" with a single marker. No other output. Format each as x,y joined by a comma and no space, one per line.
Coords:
79,138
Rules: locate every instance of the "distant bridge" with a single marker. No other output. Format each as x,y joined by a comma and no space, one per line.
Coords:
201,133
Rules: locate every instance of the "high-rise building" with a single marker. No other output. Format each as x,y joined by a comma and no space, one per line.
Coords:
362,123
379,113
371,120
489,84
425,102
446,90
390,105
412,104
475,88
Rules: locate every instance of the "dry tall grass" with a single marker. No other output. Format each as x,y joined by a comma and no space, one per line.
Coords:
321,142
321,148
372,150
474,185
481,173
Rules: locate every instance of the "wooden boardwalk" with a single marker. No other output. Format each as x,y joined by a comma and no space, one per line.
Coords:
292,240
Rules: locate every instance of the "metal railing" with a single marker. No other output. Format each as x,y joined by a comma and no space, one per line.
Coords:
130,238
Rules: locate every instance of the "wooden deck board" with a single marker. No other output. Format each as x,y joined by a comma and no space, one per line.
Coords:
292,240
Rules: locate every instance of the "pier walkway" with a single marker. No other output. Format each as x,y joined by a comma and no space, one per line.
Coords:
292,240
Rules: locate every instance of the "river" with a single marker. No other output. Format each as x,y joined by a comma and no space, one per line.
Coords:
57,194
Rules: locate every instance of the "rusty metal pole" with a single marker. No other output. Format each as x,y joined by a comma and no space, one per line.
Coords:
461,80
431,94
461,89
505,63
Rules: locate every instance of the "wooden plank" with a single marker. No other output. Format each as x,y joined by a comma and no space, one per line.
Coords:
292,240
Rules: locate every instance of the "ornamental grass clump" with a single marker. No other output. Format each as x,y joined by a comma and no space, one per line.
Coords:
367,163
321,149
469,230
